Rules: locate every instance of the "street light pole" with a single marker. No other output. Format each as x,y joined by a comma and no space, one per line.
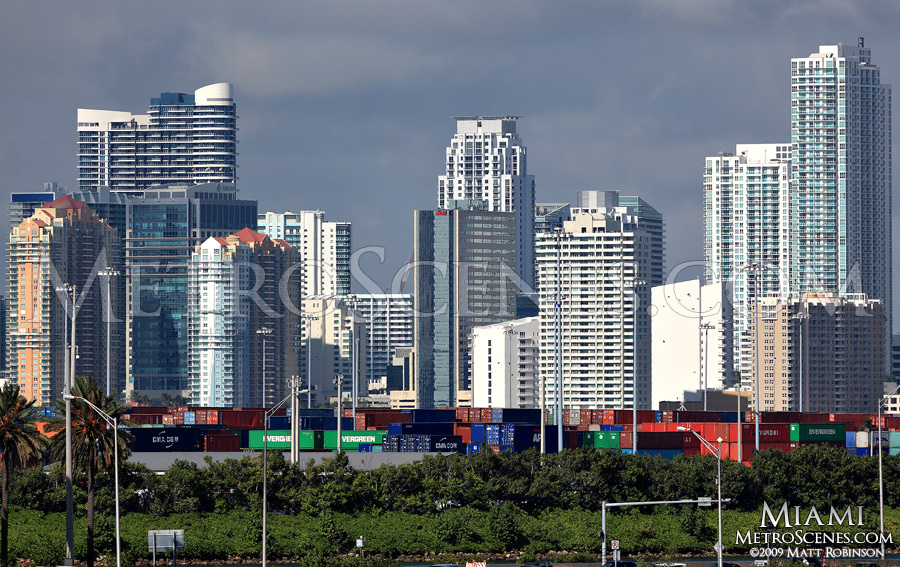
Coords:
69,372
704,359
755,268
718,451
266,415
339,381
264,331
114,422
801,317
108,273
631,282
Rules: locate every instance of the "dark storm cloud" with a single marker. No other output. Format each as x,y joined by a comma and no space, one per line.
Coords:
345,106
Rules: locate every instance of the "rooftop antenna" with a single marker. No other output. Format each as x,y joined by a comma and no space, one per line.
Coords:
860,42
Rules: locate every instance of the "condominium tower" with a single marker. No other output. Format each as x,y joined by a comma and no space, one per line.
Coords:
841,175
242,320
184,138
747,231
62,244
486,161
323,247
595,324
821,353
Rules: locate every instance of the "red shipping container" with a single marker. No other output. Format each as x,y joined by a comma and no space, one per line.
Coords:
689,440
464,431
691,451
486,415
494,448
462,414
212,417
168,419
626,440
221,443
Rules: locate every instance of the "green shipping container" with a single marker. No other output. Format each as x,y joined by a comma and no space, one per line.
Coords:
312,439
350,440
893,439
819,432
587,439
278,439
606,439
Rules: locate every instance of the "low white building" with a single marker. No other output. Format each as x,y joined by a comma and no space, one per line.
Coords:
692,339
505,364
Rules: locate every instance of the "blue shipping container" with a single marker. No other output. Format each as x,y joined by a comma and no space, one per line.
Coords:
851,441
433,415
428,428
478,433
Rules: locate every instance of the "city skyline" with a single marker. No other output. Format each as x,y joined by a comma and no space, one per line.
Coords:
358,129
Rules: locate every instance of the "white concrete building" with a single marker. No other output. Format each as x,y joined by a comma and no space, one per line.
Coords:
324,248
505,372
600,272
184,138
332,342
241,351
692,346
486,161
635,214
389,323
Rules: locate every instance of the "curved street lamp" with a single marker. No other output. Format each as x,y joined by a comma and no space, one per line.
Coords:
718,452
114,423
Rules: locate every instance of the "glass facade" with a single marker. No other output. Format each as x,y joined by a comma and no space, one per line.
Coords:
163,229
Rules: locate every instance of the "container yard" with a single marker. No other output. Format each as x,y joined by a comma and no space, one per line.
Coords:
470,430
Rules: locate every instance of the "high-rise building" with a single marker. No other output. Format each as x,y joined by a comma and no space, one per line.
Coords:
505,372
813,215
333,341
23,204
464,277
593,284
164,227
486,161
324,248
64,242
823,349
389,322
635,214
747,231
184,138
691,345
841,174
242,320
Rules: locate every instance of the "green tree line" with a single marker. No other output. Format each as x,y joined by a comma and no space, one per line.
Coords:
484,503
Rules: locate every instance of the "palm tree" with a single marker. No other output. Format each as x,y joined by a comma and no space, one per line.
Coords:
20,446
92,439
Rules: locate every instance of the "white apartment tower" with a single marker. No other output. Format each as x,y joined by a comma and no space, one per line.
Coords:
841,175
324,248
242,330
747,237
505,371
486,161
389,320
597,273
184,138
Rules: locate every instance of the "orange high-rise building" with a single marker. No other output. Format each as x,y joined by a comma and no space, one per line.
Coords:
64,242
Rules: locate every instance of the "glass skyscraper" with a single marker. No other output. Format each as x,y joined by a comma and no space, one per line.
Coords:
164,227
465,260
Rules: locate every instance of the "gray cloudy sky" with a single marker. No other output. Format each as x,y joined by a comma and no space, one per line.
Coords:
346,106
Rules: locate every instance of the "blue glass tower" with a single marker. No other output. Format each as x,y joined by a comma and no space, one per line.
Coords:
163,227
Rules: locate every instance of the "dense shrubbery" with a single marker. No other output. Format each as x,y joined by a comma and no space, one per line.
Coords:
485,503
